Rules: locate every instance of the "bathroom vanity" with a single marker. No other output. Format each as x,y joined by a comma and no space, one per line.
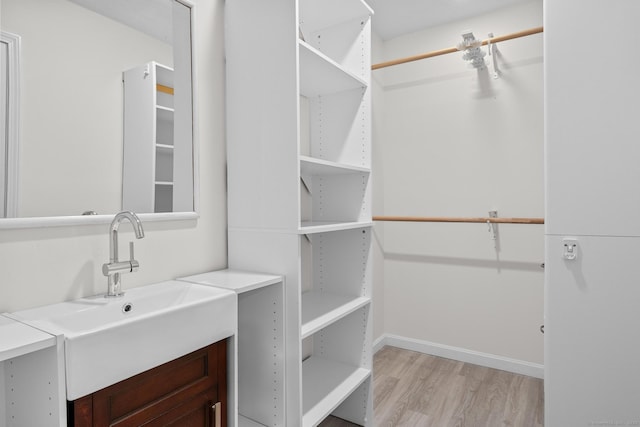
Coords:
207,349
191,390
156,355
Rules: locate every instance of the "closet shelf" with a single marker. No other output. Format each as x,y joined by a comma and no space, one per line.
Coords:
318,167
321,75
325,385
312,227
234,280
18,339
320,309
164,183
318,14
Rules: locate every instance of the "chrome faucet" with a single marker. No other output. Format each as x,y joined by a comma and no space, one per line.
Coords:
114,268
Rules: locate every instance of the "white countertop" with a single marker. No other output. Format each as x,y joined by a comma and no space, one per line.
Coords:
234,280
17,339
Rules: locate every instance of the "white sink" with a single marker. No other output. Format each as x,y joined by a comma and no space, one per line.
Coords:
110,339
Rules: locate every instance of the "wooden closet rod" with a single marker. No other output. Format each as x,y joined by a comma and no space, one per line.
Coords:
460,219
454,49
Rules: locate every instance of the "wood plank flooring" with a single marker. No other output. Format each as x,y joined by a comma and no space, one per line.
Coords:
418,390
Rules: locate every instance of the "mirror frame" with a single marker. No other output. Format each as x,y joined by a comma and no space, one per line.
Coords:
75,220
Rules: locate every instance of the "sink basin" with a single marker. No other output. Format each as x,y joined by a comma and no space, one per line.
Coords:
107,340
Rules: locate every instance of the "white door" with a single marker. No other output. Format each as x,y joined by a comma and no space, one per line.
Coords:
591,332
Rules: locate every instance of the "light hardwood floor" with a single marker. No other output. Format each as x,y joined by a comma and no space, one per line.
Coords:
415,390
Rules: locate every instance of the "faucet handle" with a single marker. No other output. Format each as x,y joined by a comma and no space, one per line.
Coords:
134,264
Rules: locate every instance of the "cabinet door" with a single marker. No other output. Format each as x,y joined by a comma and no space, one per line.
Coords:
199,411
591,149
181,392
591,317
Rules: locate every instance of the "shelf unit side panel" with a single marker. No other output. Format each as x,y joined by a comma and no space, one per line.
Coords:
34,389
320,74
305,129
261,356
277,253
163,198
164,127
341,198
306,284
343,262
347,341
341,127
347,44
306,200
3,399
139,139
164,165
262,114
358,407
326,385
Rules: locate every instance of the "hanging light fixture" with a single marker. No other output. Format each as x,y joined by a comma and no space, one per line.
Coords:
471,48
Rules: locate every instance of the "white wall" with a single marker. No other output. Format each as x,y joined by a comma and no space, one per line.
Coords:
42,266
456,142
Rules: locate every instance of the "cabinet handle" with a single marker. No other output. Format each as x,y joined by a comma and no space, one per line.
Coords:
217,414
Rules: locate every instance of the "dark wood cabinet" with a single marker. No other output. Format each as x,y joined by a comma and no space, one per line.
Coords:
190,391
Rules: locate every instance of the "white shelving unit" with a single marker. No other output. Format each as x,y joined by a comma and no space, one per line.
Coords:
153,141
299,179
31,376
260,391
325,385
320,309
320,75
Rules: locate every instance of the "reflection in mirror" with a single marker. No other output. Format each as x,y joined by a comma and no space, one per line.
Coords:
9,123
79,121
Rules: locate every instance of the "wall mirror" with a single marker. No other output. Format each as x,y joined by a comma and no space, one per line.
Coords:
106,109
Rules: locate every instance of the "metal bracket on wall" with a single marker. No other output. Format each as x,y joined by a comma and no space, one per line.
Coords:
493,228
304,184
492,49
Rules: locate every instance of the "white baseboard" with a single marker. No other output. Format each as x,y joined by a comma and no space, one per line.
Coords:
379,343
461,354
